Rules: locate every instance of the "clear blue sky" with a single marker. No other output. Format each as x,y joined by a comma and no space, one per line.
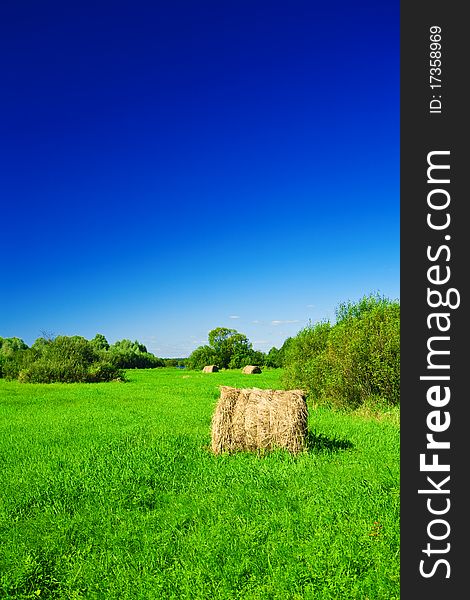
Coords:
170,167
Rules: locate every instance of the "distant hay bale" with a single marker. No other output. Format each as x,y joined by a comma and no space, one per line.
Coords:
254,419
210,369
250,369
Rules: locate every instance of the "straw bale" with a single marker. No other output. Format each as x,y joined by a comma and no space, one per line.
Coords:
250,369
254,419
210,369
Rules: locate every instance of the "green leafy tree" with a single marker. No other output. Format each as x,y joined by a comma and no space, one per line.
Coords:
220,342
241,356
227,349
229,344
39,343
202,356
273,358
175,362
126,354
10,345
13,353
100,342
276,356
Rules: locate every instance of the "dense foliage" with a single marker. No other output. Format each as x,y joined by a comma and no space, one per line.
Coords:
72,359
350,363
354,362
125,354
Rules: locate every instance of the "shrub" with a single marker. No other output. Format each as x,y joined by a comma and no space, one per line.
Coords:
72,359
49,370
356,359
304,360
104,371
67,360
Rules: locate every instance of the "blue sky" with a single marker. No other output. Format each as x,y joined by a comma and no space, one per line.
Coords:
170,167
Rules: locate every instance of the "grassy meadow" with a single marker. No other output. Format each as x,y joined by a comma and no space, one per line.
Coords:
109,491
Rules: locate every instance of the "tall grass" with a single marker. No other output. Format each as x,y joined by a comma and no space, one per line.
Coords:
109,491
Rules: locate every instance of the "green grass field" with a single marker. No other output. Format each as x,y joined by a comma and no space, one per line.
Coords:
109,491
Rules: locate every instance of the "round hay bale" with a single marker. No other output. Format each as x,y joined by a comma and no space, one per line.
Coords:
210,369
251,369
254,419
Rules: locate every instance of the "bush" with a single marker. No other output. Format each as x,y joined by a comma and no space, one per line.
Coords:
72,359
358,358
66,360
104,371
304,361
49,370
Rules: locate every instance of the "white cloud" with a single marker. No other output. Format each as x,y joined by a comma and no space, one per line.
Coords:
234,317
310,305
284,322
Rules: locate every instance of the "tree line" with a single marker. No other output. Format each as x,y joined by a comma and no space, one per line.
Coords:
351,362
72,359
229,349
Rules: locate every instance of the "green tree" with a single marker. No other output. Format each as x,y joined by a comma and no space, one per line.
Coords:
39,344
276,356
126,354
99,342
273,358
227,349
229,344
241,356
10,345
12,351
200,357
219,341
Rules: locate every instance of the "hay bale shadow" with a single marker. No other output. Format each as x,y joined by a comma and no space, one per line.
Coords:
318,442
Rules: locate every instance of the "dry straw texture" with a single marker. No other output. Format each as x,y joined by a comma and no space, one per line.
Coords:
250,369
210,369
254,419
